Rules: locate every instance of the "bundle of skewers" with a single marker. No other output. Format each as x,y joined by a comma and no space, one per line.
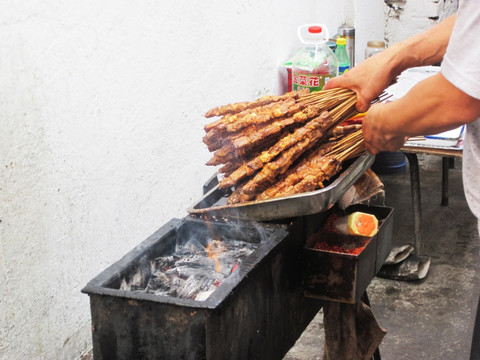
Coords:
283,145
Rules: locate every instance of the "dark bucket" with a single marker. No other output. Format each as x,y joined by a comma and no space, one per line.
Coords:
390,163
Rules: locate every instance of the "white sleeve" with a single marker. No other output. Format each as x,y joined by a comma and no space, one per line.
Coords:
461,63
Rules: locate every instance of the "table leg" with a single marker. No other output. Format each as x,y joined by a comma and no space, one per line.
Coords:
447,163
416,202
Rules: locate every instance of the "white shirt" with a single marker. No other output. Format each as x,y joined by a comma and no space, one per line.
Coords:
461,67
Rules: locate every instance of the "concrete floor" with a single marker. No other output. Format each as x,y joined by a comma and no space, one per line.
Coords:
430,318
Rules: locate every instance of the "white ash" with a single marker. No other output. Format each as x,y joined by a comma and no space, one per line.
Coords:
190,272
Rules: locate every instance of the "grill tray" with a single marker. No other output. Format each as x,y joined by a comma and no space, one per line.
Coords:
214,202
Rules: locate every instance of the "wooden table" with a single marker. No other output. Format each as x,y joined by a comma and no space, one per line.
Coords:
448,154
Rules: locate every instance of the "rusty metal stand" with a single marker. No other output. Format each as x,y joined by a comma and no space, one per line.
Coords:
416,201
448,154
447,164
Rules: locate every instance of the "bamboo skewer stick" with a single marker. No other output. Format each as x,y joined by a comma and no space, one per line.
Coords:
349,146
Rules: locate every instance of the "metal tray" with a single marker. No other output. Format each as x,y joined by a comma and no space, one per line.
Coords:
214,202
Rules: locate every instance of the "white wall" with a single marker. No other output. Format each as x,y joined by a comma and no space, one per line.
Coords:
366,16
390,21
100,143
101,125
370,24
406,18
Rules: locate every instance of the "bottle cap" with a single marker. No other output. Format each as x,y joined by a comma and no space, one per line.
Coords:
313,34
376,44
341,41
315,29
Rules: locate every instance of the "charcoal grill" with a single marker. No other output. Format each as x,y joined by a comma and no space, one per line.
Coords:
256,313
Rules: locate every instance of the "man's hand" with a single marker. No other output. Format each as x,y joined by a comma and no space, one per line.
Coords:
377,137
368,79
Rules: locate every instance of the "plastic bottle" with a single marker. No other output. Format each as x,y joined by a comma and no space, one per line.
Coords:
342,56
315,63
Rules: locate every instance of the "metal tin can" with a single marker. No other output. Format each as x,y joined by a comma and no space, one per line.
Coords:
348,32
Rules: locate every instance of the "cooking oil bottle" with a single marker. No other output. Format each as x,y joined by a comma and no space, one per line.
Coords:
315,63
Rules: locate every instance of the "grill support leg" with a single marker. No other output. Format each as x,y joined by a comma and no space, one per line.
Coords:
366,300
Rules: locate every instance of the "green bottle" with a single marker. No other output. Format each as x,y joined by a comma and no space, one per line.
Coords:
342,56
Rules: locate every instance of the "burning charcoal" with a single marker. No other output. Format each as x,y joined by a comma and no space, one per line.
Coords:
192,245
136,281
177,281
124,285
187,271
170,293
196,262
193,285
158,281
161,284
164,262
171,271
226,266
174,285
193,271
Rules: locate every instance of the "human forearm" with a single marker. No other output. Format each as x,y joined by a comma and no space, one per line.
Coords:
432,106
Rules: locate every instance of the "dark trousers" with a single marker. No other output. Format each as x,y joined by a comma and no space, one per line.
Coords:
475,352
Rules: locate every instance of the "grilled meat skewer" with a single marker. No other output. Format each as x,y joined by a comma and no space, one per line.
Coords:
244,105
284,143
298,172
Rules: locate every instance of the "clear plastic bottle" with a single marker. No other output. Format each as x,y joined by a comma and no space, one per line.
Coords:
342,56
315,63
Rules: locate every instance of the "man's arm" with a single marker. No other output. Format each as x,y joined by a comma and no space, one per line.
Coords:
432,106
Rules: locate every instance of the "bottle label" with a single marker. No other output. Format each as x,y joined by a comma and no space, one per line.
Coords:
342,69
314,82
